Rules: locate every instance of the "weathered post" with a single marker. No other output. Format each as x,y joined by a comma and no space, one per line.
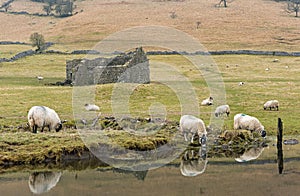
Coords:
279,147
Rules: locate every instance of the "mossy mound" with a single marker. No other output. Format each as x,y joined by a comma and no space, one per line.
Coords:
233,143
27,148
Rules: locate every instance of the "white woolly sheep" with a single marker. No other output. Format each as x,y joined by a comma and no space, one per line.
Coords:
250,154
41,182
42,116
250,123
40,78
208,101
91,107
271,104
241,83
222,109
193,125
192,164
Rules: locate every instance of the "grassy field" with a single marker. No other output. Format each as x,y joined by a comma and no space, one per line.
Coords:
21,90
257,25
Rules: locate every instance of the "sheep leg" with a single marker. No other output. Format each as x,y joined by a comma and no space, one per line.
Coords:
192,151
42,129
193,135
202,140
185,136
186,155
34,128
202,152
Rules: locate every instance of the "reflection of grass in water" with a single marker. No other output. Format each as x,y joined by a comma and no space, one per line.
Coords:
234,143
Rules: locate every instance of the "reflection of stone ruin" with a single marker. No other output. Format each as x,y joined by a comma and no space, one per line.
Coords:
132,67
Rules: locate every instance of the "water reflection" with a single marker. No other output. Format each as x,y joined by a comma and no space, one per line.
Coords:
217,176
251,154
41,182
140,175
193,162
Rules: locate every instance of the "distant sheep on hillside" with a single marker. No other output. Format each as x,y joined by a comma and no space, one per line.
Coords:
241,83
271,104
222,109
91,107
208,101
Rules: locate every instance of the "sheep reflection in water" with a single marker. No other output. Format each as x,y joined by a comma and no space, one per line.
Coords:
251,154
193,162
41,182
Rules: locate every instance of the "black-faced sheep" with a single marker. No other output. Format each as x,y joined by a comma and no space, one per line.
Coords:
241,83
243,121
91,107
271,104
208,101
221,110
41,117
191,124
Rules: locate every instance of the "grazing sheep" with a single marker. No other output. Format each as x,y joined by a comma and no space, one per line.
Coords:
41,182
222,109
208,101
42,116
91,107
192,164
40,78
250,154
241,83
271,104
193,125
250,123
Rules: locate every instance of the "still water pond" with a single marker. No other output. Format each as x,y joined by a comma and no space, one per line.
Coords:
216,176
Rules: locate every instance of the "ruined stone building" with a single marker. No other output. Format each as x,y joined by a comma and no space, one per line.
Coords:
132,67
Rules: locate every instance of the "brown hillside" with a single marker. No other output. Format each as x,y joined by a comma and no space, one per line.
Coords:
255,24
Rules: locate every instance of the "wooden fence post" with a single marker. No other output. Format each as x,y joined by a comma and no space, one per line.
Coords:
279,146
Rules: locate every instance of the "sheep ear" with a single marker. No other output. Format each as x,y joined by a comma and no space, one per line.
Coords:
63,121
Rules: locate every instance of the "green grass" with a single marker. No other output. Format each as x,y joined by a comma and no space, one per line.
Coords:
8,51
26,148
20,90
